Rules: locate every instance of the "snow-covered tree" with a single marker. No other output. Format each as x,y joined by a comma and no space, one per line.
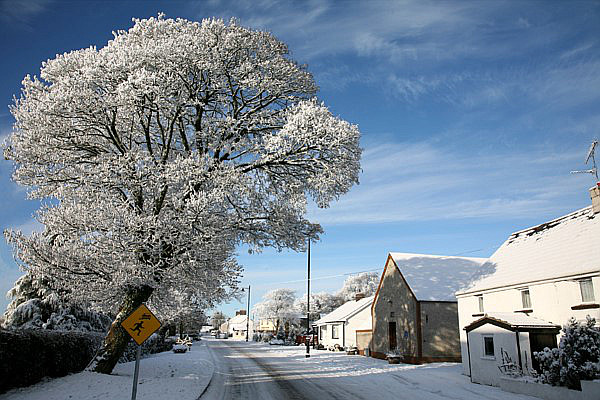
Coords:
278,306
576,358
365,283
320,304
164,150
35,305
217,319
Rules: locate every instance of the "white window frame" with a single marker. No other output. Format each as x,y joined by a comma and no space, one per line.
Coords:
524,296
484,355
480,302
335,331
322,332
590,290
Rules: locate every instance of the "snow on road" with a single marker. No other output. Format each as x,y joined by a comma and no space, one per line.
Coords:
227,369
255,371
162,376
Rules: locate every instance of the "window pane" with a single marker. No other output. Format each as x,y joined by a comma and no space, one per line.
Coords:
526,298
488,344
480,303
587,290
335,334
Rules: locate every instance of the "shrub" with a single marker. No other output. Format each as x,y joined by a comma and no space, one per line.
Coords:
28,355
577,357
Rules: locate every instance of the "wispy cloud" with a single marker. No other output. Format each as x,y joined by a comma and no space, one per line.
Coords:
18,13
420,181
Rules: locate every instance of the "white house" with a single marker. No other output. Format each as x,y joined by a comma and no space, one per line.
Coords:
550,272
500,341
236,326
340,327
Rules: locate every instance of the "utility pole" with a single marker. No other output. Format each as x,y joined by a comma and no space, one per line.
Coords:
308,306
248,315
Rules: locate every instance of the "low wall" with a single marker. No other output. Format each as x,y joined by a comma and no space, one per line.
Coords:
26,356
590,390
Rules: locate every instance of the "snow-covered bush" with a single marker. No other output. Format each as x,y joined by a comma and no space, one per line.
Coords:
576,358
36,306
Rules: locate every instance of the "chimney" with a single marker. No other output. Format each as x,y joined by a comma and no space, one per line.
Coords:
595,195
241,312
359,296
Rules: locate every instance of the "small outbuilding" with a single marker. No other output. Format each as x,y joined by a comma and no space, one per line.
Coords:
347,326
415,311
501,343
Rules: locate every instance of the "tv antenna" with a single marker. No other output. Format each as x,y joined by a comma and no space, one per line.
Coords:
590,156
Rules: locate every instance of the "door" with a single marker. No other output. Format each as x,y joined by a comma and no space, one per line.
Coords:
392,335
537,342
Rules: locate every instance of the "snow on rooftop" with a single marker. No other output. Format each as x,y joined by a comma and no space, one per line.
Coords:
346,310
566,246
438,277
518,320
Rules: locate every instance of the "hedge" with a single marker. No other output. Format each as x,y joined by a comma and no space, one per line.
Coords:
28,355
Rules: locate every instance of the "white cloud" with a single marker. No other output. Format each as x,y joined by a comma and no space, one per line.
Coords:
418,181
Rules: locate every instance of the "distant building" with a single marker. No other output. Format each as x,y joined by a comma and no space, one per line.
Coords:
345,325
543,276
414,310
236,326
266,326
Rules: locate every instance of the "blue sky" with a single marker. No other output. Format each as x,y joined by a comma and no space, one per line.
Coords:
472,114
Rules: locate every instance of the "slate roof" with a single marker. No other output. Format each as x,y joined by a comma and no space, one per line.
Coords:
566,246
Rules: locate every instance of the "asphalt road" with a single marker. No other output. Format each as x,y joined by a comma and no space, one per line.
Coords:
242,372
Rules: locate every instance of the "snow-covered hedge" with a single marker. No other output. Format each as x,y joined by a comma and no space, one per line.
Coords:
28,355
576,358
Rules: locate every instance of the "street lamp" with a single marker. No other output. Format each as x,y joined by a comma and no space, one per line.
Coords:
248,315
308,305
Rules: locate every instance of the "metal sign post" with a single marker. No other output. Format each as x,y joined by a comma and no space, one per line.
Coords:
140,325
136,373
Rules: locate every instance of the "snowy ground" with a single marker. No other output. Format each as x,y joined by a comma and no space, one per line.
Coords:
226,369
162,376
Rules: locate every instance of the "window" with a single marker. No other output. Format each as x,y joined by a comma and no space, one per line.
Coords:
480,299
526,298
488,346
322,332
587,290
335,331
392,314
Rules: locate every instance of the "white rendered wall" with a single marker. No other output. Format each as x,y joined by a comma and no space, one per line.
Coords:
328,340
485,369
359,321
550,301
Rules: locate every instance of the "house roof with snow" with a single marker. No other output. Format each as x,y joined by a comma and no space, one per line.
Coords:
346,311
238,320
564,247
512,322
432,277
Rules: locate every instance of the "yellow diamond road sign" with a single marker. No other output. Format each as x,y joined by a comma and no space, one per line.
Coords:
141,324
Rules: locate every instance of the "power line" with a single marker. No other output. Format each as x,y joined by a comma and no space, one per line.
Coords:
360,272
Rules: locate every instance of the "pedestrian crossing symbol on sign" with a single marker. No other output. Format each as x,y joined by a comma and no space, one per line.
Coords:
141,324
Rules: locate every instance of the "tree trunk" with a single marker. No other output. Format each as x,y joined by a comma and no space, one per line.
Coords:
117,338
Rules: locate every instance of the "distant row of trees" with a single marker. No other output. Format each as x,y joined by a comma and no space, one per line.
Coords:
283,307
